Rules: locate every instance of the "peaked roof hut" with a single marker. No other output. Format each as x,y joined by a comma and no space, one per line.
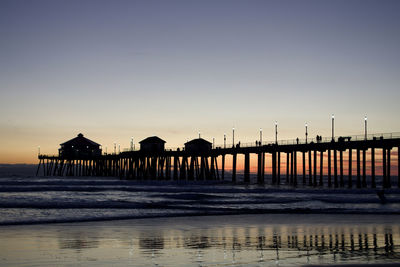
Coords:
152,144
198,145
79,147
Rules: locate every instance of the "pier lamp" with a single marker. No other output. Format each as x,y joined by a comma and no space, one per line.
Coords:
224,140
132,143
276,132
365,126
306,131
233,137
199,134
115,148
38,150
333,127
119,148
213,146
260,136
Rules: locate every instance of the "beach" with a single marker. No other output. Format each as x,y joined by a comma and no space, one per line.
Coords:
234,240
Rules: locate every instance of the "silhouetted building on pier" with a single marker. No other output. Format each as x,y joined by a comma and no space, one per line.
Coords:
152,144
198,145
79,147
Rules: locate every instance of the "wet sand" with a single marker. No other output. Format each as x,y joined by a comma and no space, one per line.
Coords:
240,240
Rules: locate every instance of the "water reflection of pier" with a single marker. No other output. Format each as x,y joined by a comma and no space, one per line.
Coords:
249,240
282,240
274,242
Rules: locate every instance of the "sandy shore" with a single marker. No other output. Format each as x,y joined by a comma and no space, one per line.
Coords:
242,240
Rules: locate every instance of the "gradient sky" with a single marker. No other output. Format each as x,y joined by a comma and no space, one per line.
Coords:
116,69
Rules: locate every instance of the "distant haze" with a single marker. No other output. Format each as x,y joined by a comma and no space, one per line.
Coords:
120,69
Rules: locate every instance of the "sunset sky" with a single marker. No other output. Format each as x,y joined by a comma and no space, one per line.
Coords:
116,69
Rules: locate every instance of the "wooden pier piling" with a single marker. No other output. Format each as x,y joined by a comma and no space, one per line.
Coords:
315,168
234,167
274,168
341,178
384,180
247,167
329,169
335,176
321,168
309,169
350,174
304,167
278,168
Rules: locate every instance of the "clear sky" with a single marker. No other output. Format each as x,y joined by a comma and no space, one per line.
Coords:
116,69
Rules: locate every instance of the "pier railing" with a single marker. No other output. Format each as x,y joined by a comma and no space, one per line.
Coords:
280,142
314,140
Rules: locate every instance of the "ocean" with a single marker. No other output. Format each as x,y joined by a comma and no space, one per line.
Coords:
28,199
35,205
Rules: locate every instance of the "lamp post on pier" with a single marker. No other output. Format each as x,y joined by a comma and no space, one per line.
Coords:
306,131
260,136
132,143
38,150
365,126
224,140
233,137
115,148
213,145
276,132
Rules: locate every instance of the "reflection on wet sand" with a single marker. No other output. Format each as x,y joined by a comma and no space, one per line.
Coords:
341,243
77,241
224,240
260,243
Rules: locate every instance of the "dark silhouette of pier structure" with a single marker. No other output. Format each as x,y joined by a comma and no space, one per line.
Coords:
201,164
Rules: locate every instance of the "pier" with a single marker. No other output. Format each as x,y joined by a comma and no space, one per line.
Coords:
340,162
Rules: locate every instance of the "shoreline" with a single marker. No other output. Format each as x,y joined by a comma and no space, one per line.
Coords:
197,215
